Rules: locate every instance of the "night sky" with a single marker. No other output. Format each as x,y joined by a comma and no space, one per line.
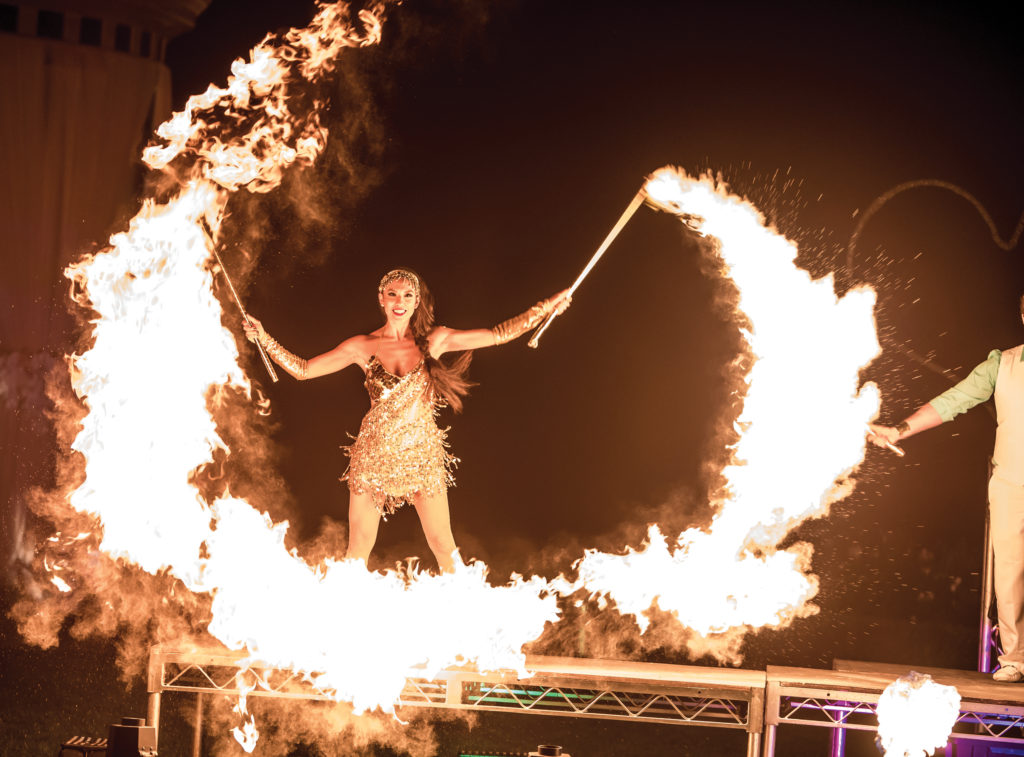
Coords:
490,146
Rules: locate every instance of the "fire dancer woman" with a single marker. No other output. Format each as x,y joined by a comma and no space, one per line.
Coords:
400,455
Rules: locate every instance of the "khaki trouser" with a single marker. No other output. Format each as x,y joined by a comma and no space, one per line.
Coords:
1006,509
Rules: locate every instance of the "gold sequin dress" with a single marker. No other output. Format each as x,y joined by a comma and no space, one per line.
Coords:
399,450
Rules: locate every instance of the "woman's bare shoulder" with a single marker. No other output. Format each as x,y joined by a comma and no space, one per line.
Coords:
359,347
372,338
437,337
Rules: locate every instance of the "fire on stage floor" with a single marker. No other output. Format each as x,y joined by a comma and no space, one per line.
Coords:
847,698
754,701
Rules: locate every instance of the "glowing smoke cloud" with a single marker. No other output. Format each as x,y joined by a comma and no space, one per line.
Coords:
916,715
802,431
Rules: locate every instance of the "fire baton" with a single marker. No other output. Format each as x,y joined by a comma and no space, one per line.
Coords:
635,203
888,445
238,300
266,360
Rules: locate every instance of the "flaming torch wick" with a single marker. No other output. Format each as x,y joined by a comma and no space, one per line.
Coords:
238,300
635,203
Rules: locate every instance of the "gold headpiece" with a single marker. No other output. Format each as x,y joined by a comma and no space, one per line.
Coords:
400,273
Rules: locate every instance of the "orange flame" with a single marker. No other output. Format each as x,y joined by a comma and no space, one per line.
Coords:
159,347
247,734
259,96
801,432
916,715
160,350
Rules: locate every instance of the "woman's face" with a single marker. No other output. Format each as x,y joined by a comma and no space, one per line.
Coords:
398,300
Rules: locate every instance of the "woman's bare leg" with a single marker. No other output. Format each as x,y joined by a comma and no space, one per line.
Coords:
437,527
363,520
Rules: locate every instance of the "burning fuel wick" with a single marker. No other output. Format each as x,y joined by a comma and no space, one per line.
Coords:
238,300
634,204
689,220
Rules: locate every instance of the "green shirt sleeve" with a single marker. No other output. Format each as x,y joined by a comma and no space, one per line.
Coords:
970,392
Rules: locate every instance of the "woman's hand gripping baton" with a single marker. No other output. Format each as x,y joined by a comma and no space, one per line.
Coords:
635,203
238,300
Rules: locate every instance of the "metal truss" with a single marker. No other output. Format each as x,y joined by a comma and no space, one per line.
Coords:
638,692
790,700
1001,727
809,709
727,710
476,695
228,680
974,719
750,701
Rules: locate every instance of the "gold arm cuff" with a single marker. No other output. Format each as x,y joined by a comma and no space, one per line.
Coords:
516,327
291,362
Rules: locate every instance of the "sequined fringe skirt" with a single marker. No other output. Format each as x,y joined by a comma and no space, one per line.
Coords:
393,469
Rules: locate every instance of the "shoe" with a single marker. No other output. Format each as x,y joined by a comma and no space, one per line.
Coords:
1008,674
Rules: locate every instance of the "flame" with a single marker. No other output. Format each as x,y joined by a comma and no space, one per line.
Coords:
359,634
247,734
55,565
159,347
259,97
160,356
801,432
916,715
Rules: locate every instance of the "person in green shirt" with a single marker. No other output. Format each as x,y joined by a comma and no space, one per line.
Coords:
1000,375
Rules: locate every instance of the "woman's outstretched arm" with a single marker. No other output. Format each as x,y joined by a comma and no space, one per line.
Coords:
345,354
444,339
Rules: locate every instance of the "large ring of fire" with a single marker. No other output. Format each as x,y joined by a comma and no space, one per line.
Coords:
146,432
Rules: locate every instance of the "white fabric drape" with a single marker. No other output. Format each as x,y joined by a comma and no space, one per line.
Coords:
72,123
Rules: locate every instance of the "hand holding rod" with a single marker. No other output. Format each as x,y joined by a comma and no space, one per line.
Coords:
259,347
887,444
635,203
238,300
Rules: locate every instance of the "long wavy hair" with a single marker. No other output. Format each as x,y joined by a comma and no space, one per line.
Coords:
448,379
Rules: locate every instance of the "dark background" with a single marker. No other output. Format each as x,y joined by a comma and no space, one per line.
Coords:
497,144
